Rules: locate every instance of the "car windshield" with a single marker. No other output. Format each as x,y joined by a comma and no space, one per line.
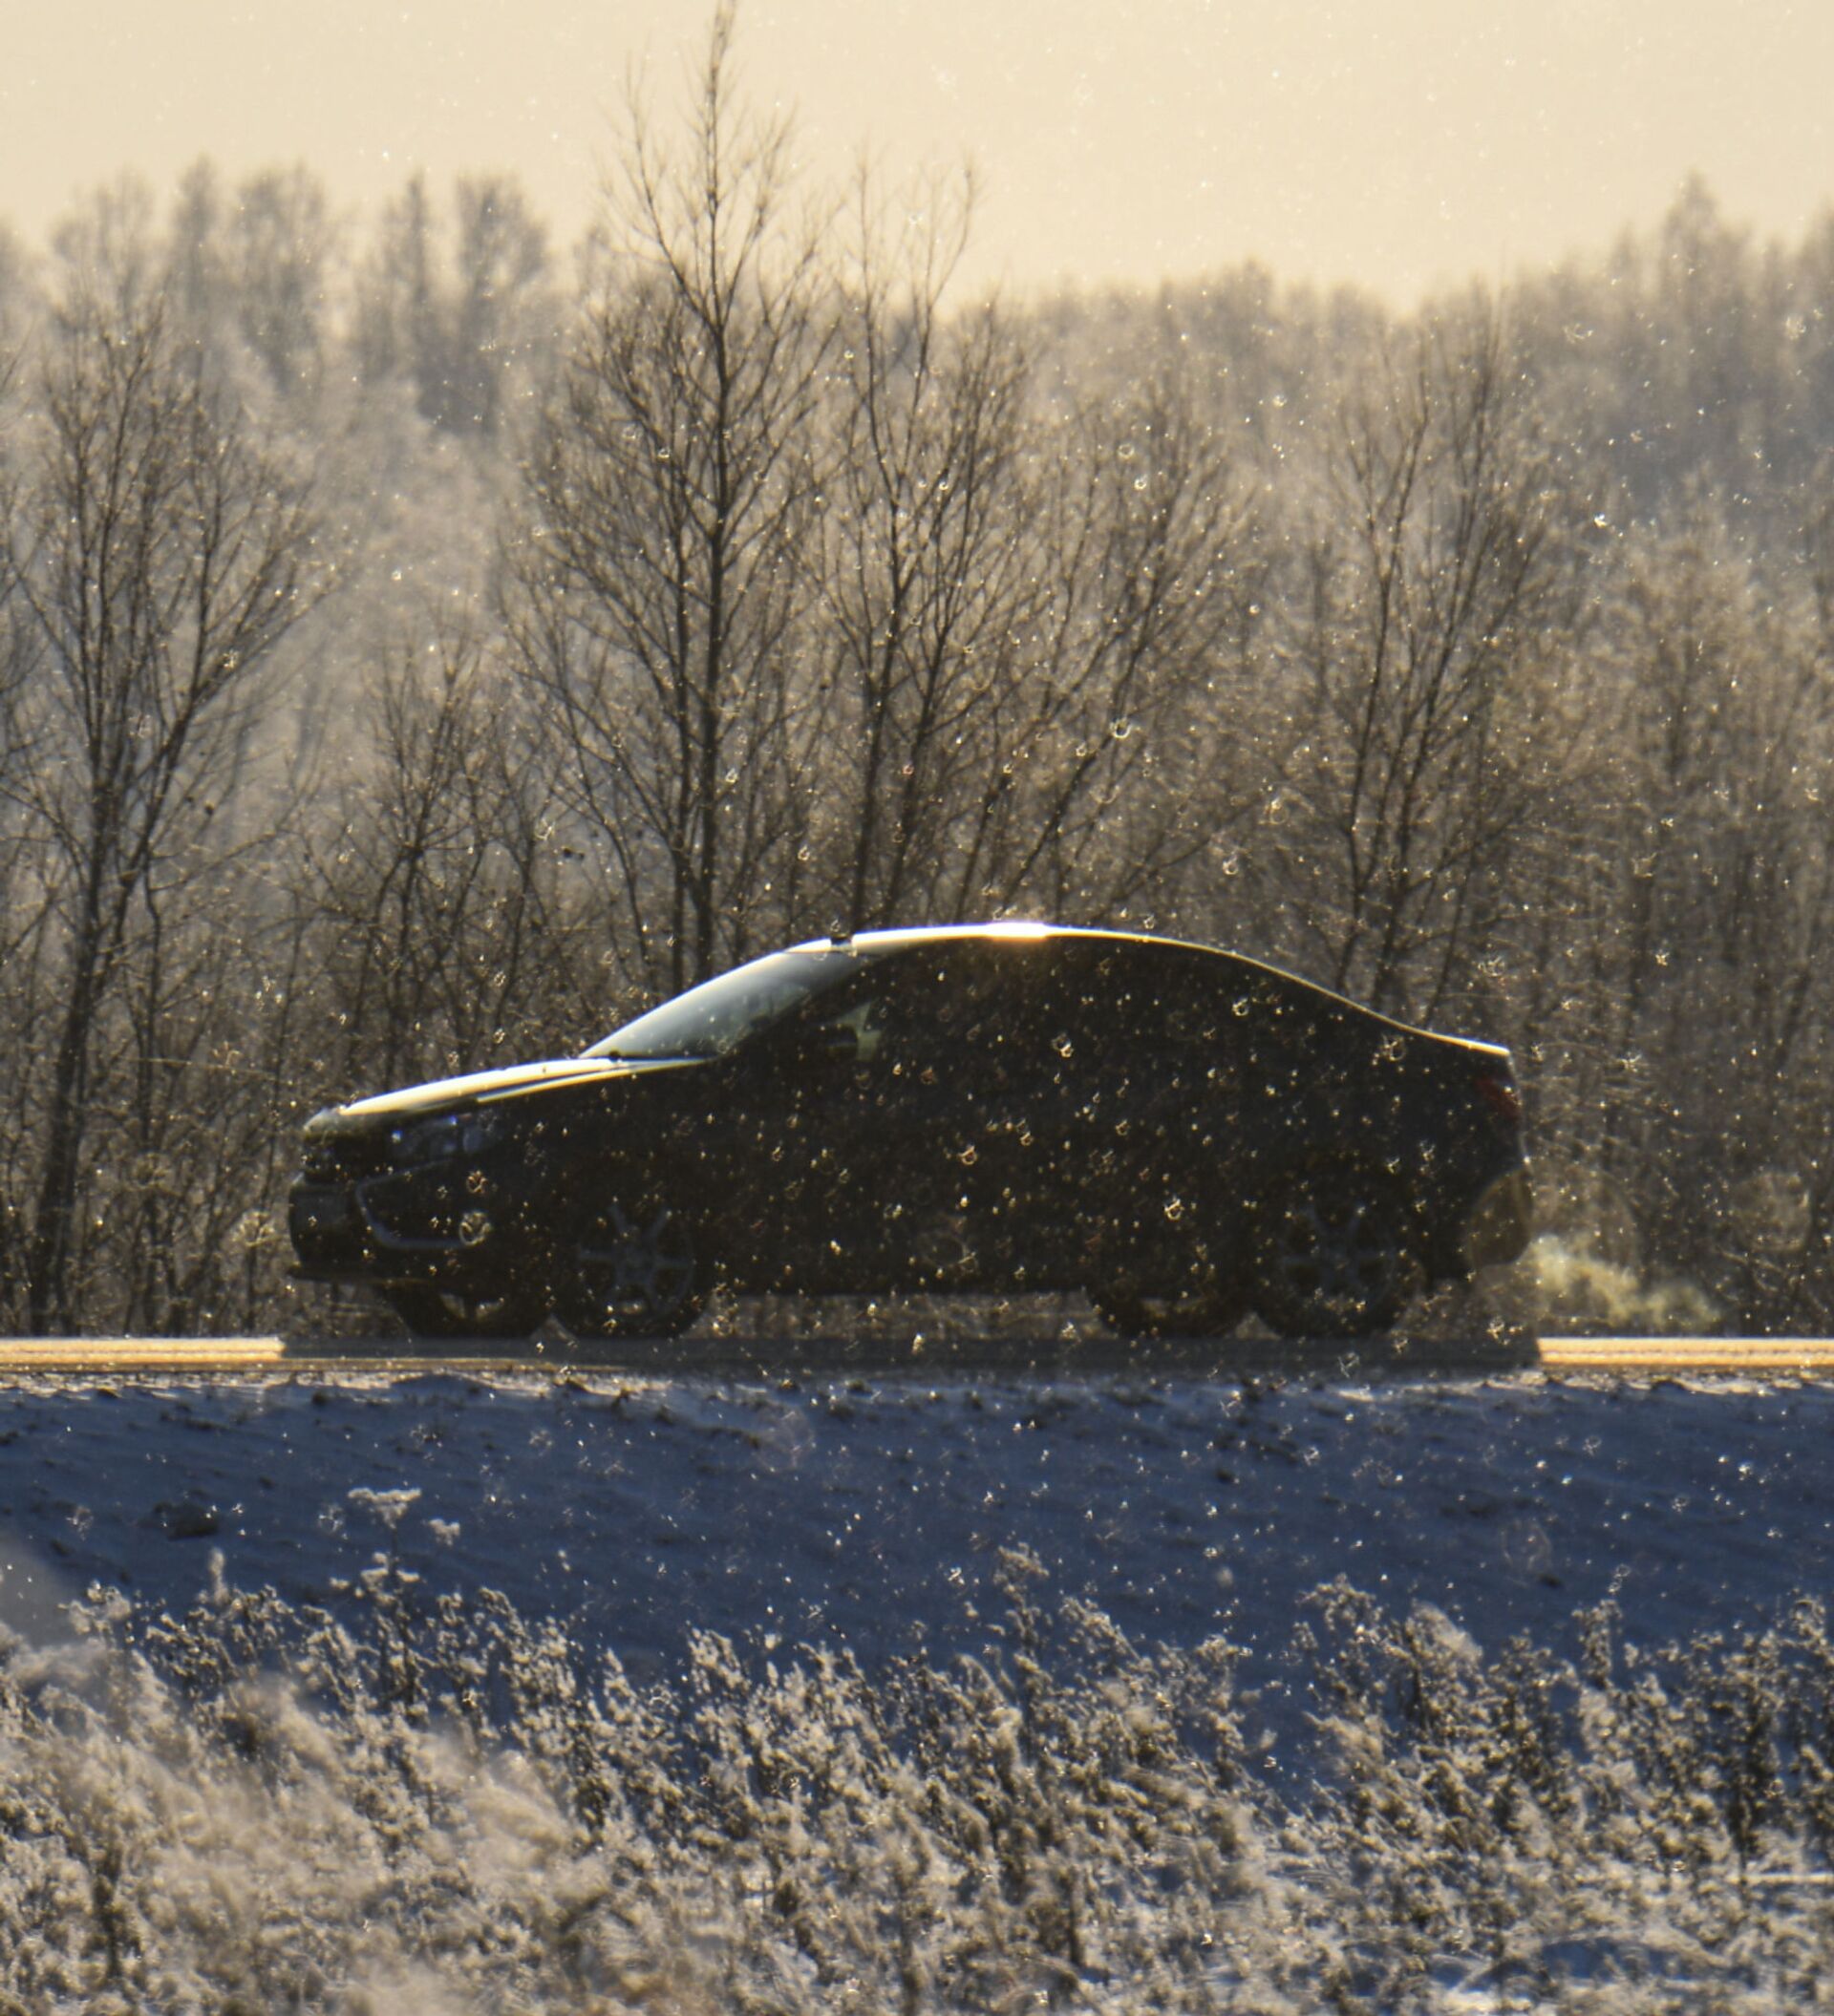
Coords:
718,1015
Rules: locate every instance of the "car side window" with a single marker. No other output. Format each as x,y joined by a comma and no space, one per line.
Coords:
954,1016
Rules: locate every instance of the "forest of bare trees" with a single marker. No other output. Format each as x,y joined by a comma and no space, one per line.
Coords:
418,649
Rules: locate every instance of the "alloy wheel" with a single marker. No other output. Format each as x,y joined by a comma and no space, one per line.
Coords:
1334,1259
633,1271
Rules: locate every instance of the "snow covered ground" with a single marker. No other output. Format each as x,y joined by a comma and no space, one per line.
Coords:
442,1810
869,1511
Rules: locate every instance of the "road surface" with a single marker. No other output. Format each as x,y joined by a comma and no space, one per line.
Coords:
915,1357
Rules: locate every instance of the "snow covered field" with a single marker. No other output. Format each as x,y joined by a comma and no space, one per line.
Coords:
816,1523
870,1512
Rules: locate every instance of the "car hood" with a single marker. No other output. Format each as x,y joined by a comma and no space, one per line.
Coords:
485,1086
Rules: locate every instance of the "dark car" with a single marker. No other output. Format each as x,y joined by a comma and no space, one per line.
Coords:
1185,1134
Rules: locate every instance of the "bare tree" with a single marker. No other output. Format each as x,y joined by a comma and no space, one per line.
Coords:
1416,616
1679,986
22,885
658,587
440,936
455,315
1111,751
922,558
195,253
502,265
189,1149
394,329
160,552
280,242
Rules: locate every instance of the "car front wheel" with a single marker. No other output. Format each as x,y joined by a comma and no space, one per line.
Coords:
1133,1311
1334,1258
630,1270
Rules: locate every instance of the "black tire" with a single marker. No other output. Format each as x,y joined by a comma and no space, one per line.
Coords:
1133,1312
1333,1253
437,1313
630,1270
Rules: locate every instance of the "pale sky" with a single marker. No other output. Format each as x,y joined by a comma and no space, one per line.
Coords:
1393,143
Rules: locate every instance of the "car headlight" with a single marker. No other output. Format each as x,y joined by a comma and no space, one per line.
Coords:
443,1140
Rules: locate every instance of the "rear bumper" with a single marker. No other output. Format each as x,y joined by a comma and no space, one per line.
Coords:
1500,1226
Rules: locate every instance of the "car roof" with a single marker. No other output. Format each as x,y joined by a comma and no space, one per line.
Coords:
902,936
1004,928
1018,929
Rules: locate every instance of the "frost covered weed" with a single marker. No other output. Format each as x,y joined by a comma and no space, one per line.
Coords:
440,1807
1635,1831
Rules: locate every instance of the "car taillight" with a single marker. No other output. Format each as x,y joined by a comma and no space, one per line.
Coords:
1501,1097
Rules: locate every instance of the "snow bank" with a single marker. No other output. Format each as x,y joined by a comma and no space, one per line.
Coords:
870,1513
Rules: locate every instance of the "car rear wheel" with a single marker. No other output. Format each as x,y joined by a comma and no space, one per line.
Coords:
630,1270
1333,1257
438,1313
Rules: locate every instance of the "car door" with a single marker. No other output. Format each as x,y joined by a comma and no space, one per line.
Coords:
986,1141
932,1146
1144,1117
858,1133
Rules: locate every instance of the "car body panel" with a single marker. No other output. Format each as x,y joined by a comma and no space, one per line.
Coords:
958,1106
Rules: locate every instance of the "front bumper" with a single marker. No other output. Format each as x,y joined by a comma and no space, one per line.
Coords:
399,1227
